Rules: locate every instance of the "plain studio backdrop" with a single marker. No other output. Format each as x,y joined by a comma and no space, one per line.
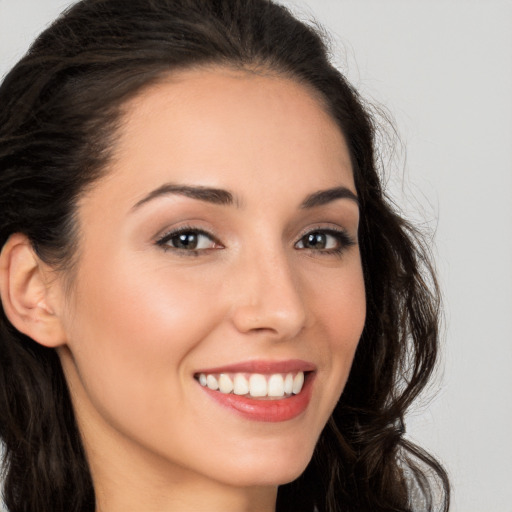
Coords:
443,69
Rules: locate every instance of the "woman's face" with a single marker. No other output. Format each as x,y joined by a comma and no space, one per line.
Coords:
220,250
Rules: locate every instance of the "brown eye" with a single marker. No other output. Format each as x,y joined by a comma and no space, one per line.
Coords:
188,240
184,241
316,241
328,241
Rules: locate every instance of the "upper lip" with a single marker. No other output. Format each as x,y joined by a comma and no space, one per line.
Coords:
261,366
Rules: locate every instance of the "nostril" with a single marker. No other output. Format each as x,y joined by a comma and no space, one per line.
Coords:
267,299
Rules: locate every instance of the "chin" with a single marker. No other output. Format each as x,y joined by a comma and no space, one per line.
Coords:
274,470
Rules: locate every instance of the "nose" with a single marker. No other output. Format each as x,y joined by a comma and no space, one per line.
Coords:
268,298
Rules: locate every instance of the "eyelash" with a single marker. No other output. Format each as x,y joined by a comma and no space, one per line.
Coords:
342,238
186,230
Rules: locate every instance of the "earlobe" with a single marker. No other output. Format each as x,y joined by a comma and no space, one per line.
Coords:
27,295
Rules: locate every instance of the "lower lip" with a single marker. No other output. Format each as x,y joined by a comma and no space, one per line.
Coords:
275,410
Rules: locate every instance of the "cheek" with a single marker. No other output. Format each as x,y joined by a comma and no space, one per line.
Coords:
131,335
339,308
145,307
339,303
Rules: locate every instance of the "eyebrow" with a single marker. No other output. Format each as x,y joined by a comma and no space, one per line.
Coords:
208,194
224,197
323,197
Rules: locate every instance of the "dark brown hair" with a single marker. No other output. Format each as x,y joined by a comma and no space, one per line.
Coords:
59,110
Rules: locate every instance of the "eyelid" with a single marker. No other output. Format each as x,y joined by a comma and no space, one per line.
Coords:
326,228
162,239
345,239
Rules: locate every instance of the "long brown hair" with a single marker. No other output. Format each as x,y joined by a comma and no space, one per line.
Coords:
59,111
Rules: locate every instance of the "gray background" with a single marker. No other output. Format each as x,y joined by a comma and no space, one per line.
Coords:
444,70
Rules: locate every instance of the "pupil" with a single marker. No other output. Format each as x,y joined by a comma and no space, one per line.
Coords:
186,241
316,240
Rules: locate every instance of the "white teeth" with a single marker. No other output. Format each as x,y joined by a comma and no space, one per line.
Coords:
257,385
276,385
298,382
225,384
288,384
212,383
240,385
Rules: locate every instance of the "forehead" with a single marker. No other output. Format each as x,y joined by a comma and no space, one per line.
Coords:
226,128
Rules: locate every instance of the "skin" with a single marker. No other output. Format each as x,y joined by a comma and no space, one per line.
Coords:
142,319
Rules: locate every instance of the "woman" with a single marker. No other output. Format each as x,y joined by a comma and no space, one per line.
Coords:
208,303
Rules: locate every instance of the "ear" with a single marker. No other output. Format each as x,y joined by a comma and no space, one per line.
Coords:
29,293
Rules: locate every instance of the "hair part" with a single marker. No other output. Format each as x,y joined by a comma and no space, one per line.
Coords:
61,110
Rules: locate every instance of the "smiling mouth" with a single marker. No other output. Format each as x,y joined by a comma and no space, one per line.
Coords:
260,386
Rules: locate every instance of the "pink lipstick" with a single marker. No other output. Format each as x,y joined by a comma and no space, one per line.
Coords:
269,391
